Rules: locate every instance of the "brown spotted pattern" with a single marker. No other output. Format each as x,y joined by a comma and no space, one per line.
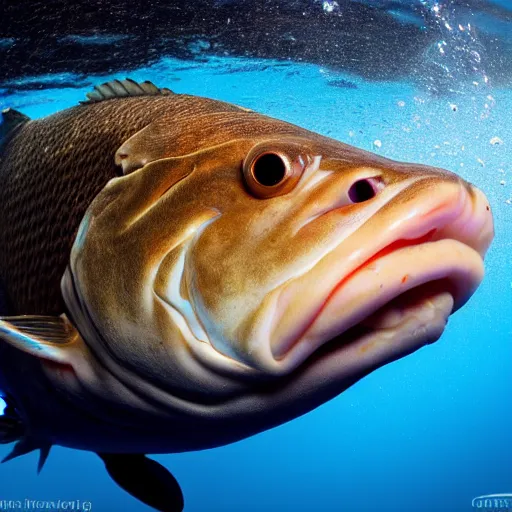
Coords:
49,174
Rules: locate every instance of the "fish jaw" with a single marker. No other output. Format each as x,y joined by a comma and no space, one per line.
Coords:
388,297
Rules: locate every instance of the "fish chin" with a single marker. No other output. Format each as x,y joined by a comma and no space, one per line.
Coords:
405,324
424,308
408,322
398,302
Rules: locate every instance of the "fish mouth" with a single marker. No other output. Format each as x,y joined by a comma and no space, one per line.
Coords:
412,304
406,323
400,296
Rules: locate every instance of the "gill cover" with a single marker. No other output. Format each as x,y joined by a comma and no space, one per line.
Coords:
149,219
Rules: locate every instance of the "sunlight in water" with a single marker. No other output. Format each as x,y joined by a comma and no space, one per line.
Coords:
3,405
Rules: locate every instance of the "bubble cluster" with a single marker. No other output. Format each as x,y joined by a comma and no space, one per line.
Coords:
330,6
455,63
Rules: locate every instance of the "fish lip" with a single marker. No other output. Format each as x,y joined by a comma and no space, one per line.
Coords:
459,289
293,355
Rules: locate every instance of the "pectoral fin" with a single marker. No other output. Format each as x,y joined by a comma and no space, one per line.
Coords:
145,479
45,337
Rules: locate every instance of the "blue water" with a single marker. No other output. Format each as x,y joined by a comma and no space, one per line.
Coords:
426,433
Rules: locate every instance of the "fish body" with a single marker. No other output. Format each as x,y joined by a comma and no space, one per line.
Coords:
181,273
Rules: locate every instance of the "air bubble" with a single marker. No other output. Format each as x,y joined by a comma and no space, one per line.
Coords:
496,141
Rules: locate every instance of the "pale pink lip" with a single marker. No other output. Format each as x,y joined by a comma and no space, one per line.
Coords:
393,247
448,250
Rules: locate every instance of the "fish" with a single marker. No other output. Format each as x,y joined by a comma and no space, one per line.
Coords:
179,273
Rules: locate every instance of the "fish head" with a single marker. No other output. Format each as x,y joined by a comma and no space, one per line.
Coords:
270,270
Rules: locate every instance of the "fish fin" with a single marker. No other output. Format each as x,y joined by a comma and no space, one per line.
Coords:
12,429
22,447
44,451
145,479
124,89
27,445
45,337
12,120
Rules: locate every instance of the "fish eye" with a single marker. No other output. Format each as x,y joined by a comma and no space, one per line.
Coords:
361,191
269,169
271,172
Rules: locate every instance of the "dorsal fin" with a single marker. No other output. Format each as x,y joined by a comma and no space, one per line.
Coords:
124,89
12,120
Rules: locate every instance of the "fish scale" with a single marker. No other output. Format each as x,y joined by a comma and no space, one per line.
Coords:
37,232
45,192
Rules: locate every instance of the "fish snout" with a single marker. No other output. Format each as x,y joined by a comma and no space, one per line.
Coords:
470,222
480,224
415,258
468,213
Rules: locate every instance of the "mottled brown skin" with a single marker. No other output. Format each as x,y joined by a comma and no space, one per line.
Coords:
49,174
54,167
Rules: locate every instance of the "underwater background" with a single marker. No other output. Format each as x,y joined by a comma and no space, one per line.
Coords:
421,81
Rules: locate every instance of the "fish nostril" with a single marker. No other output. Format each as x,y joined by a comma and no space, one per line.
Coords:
361,191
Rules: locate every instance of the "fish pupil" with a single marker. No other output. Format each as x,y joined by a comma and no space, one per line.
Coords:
361,191
269,169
